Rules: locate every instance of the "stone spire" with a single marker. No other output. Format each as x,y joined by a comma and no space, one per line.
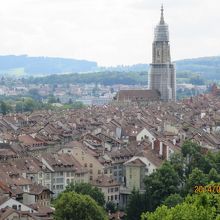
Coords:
162,75
161,31
162,17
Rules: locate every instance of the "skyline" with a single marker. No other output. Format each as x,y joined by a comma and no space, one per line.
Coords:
110,33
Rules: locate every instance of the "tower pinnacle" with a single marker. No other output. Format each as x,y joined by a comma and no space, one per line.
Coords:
162,17
162,74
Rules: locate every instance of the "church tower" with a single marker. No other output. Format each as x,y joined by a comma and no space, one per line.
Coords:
162,74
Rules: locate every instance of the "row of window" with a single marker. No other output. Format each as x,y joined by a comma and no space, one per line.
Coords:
68,174
90,165
111,198
113,189
58,187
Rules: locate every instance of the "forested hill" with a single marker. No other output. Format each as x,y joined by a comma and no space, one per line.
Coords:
207,67
20,65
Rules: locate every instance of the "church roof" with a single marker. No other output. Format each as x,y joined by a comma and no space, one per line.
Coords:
138,95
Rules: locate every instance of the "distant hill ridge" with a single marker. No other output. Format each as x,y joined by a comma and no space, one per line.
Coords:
44,65
207,67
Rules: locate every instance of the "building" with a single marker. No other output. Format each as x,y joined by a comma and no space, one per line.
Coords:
137,95
215,90
162,75
109,187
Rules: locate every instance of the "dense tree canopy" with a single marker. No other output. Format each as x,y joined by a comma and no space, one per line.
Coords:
136,205
175,180
74,206
204,206
87,189
160,184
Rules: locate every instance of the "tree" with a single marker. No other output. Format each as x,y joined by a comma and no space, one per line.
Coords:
110,206
4,108
70,101
71,206
213,176
200,206
160,184
173,200
178,162
35,94
77,105
136,205
87,189
29,104
196,178
192,152
19,106
51,99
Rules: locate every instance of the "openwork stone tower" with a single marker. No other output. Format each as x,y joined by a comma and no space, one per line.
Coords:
162,74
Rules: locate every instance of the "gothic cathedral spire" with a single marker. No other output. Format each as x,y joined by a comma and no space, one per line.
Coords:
162,74
162,16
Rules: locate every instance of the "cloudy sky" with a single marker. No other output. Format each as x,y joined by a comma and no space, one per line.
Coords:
110,32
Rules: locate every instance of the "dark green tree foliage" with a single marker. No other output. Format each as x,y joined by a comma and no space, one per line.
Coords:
173,200
213,176
74,206
204,206
196,178
77,105
4,108
110,207
136,205
87,189
178,163
160,184
194,157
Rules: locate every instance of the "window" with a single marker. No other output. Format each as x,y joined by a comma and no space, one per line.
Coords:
14,207
99,171
116,197
60,180
116,189
105,171
90,165
85,165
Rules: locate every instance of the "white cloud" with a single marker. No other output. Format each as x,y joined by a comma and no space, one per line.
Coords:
110,32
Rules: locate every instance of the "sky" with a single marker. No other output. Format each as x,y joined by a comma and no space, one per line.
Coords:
110,32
